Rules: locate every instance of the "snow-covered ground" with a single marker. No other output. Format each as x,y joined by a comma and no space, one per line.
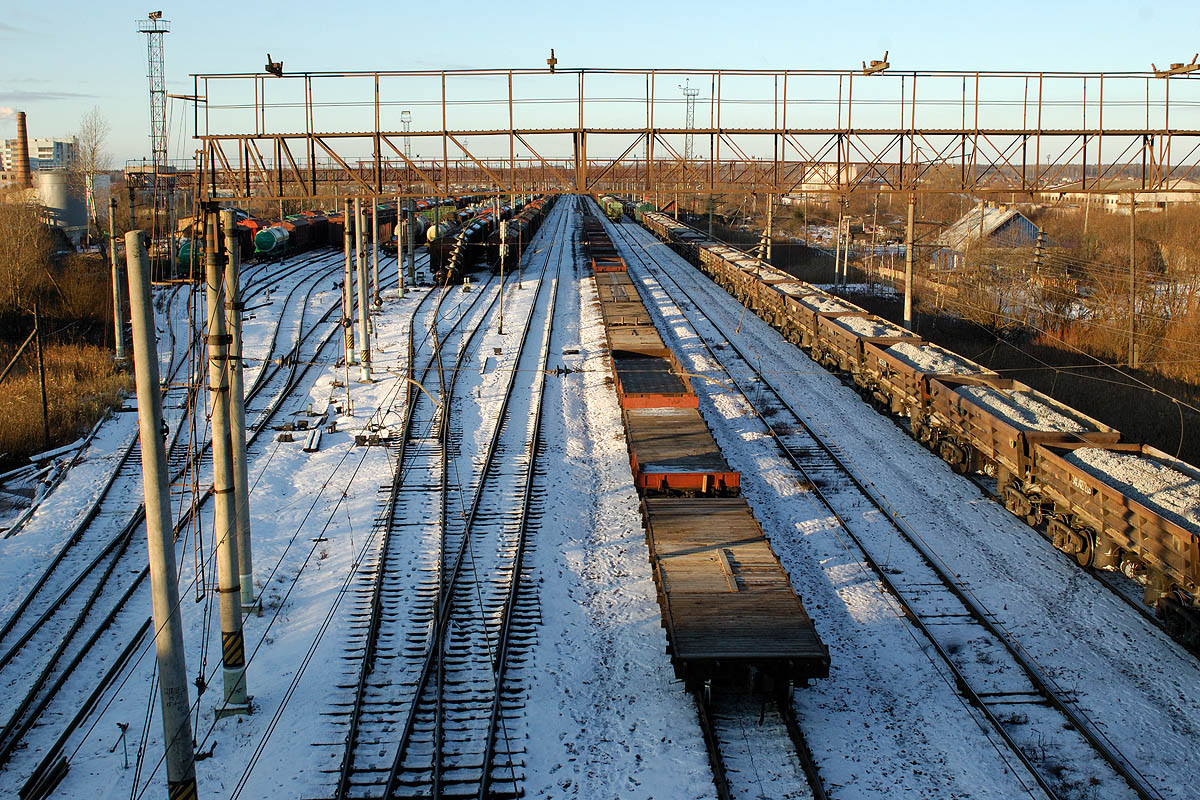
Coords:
1126,676
603,714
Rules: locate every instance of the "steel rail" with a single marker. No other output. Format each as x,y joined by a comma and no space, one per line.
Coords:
502,643
434,660
910,613
122,536
375,621
1033,672
17,732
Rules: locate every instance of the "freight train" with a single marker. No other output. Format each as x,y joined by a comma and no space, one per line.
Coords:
296,233
1108,504
457,246
728,606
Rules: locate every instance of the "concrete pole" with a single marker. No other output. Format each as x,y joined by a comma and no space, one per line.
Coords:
908,261
1133,359
376,300
117,288
348,286
412,243
403,221
364,336
237,406
503,250
233,647
846,255
837,251
770,223
160,538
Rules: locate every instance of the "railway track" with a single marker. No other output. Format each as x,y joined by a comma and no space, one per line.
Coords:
755,747
72,676
1012,695
120,497
430,715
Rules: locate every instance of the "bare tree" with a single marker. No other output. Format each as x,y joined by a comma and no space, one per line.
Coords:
92,157
26,247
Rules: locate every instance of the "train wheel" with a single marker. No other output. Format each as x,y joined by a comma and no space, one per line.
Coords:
1084,540
1033,518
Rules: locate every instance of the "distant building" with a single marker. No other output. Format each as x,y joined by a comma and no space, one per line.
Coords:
44,154
1115,198
993,225
820,178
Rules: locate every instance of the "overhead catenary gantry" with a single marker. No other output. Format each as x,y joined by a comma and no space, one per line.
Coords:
315,135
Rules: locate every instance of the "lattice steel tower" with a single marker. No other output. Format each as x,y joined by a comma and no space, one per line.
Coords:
154,26
689,146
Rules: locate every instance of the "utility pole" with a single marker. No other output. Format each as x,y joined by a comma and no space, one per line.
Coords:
500,328
376,300
41,365
403,220
1133,359
117,293
168,624
837,250
233,646
874,234
909,243
770,223
348,286
846,255
364,336
805,196
503,252
237,406
412,243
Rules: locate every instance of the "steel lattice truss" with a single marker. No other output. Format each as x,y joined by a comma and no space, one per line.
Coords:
320,135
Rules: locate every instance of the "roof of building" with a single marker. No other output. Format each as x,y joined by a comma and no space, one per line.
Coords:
968,229
1121,186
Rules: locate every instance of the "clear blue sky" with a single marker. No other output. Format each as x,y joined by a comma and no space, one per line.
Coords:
58,60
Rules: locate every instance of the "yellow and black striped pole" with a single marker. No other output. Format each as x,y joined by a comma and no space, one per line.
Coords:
224,527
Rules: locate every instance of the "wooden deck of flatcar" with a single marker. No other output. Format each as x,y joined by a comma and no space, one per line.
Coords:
671,450
651,380
727,603
728,606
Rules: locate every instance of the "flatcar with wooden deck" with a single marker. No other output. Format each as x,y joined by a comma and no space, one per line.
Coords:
728,606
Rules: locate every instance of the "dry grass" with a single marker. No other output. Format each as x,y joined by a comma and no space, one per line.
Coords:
82,384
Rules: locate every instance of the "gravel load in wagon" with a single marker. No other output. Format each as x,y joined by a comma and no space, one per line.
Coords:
1025,409
933,360
1162,487
873,328
794,288
829,305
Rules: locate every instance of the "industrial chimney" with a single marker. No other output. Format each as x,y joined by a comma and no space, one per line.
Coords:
24,180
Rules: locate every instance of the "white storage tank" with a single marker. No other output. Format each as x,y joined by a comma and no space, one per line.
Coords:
64,202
